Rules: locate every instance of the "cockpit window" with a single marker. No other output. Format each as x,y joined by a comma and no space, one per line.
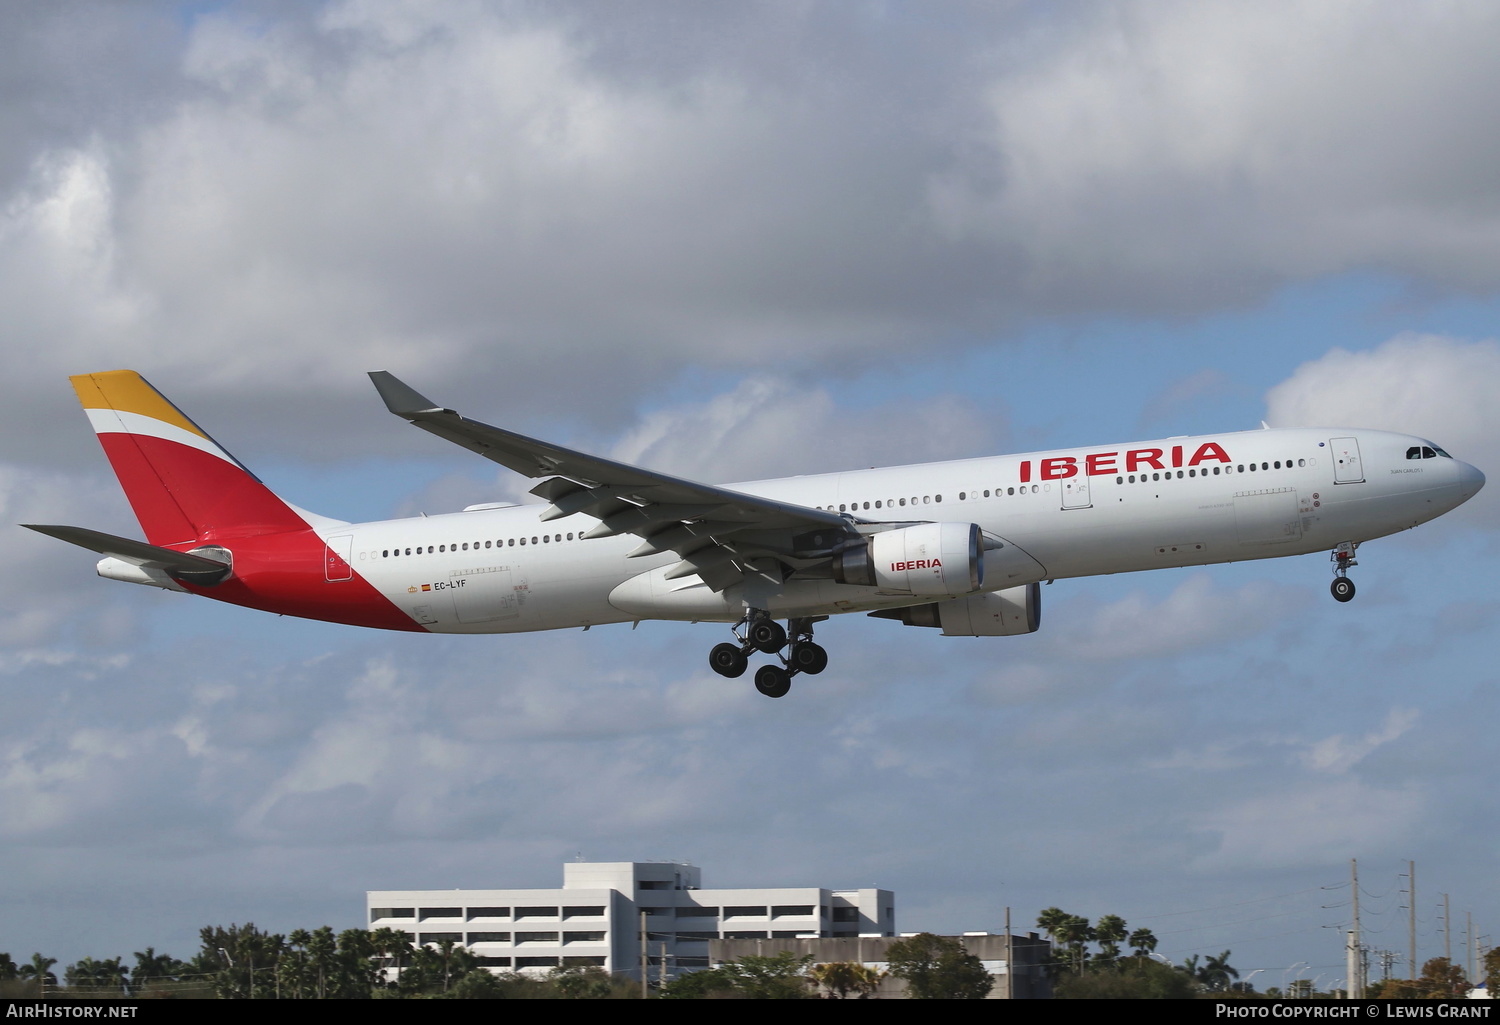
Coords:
1426,452
1415,452
1441,452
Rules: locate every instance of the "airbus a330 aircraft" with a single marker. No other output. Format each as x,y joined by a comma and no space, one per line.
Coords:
959,546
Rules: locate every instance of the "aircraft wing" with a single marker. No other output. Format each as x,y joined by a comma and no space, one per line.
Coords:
719,534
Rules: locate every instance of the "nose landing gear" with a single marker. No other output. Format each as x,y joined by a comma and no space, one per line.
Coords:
759,632
1343,560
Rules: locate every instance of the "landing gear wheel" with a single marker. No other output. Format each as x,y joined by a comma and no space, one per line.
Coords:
767,635
1342,588
773,681
807,657
728,660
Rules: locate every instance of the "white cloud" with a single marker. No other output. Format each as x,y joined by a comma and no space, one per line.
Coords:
766,427
1431,385
1154,154
1196,614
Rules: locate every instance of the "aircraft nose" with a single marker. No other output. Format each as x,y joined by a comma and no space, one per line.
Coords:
1471,479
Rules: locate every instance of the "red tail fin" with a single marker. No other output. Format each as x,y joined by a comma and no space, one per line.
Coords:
181,484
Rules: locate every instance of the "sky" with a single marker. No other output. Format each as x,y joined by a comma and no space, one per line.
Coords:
731,242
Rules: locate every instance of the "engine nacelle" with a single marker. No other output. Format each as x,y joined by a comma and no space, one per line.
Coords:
930,558
1015,610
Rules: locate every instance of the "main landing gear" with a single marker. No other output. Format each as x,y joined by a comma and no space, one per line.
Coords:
1343,559
759,632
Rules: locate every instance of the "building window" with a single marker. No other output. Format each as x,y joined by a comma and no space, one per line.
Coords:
791,910
439,937
697,912
536,937
583,937
586,961
583,911
488,913
536,962
377,913
489,937
536,912
442,913
744,911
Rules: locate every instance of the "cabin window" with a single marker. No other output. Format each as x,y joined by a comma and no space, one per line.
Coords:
903,501
523,540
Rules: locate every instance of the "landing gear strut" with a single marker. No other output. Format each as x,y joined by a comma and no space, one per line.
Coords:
1343,559
759,632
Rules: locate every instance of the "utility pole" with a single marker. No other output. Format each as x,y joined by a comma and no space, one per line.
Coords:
1010,959
1469,931
1447,932
1411,878
645,956
1354,963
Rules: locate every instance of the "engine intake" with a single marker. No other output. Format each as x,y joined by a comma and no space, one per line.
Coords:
929,558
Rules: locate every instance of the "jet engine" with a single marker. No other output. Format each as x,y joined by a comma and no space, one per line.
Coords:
1015,610
929,558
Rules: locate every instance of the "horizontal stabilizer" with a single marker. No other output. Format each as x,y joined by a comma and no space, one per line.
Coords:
138,553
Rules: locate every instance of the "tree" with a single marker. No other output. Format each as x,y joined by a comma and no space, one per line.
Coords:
39,969
1140,979
1110,932
938,968
153,968
700,985
580,983
782,976
1143,942
841,978
1076,933
1442,980
9,970
1492,971
1216,972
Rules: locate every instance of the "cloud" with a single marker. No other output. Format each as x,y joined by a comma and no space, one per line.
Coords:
1153,156
1195,615
767,427
1435,386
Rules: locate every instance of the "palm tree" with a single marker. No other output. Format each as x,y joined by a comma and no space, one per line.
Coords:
1143,942
844,977
1217,971
1110,932
151,967
40,969
1076,933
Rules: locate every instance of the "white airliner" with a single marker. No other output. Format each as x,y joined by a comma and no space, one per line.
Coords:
960,546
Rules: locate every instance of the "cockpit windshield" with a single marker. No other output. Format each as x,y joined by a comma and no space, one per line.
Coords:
1428,451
